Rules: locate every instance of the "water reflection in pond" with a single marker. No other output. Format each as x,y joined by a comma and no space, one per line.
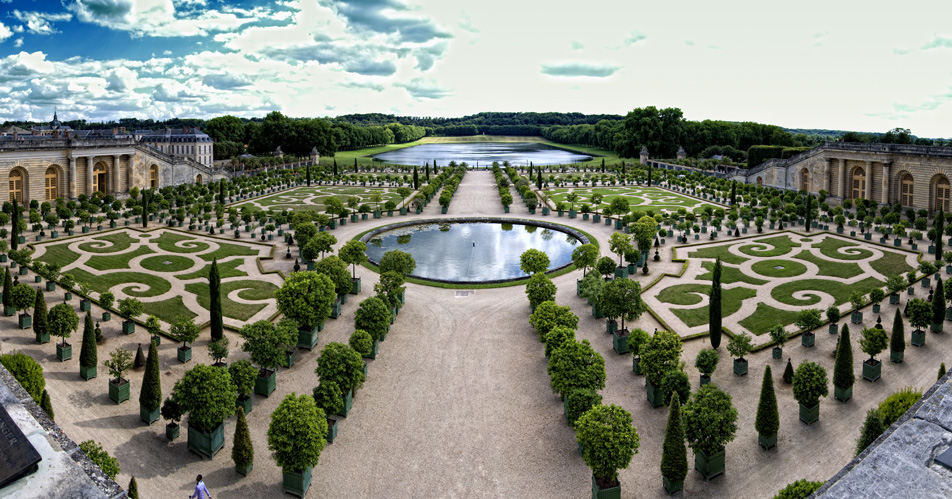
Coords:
484,153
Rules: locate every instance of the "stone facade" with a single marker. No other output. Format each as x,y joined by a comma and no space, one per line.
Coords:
913,176
46,168
186,142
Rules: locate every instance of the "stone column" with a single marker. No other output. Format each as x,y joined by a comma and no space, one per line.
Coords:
885,198
115,175
841,188
72,178
90,187
869,180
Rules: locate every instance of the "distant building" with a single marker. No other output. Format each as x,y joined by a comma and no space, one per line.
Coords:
186,142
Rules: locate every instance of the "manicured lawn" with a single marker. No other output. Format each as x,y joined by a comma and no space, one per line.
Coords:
639,198
168,310
683,294
59,254
781,246
732,299
779,268
722,251
168,239
838,290
728,275
131,282
891,263
120,242
115,262
766,318
251,290
167,263
844,270
225,270
829,248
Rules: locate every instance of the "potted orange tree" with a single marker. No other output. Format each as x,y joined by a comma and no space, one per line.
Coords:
296,439
608,441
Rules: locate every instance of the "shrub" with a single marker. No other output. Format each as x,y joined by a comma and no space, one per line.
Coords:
808,320
706,361
533,260
108,464
608,440
372,316
768,416
47,405
242,452
342,365
27,372
556,338
873,341
336,269
833,313
872,428
361,342
710,420
675,382
547,316
540,289
809,383
674,461
296,435
150,396
739,345
267,342
801,489
843,376
306,298
576,365
579,401
397,261
133,489
207,394
130,308
897,404
637,338
243,376
329,397
660,354
779,334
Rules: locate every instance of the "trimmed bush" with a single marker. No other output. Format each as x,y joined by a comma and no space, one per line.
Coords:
897,404
608,440
674,459
27,372
108,464
843,376
47,405
768,416
675,382
801,489
579,401
242,452
710,420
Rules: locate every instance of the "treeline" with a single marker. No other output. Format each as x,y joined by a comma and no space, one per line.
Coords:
480,120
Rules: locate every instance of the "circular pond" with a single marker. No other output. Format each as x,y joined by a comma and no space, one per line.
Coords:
473,250
484,153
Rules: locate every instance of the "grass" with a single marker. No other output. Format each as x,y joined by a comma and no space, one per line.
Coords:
891,263
838,290
104,282
168,239
315,197
722,251
638,197
59,254
830,245
226,250
732,299
114,262
789,268
251,290
781,246
120,242
843,270
683,294
176,263
169,310
728,275
766,317
225,270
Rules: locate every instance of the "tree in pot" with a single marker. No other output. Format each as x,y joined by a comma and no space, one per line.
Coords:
605,267
119,362
8,308
41,327
88,353
576,365
621,298
342,365
873,341
62,321
578,401
243,376
584,257
390,289
397,261
710,422
23,297
150,398
660,354
154,328
363,343
843,377
876,296
715,313
207,395
608,442
920,316
895,284
336,269
897,341
738,346
833,315
266,343
809,384
675,382
706,362
330,399
353,253
218,351
242,451
620,243
373,316
779,336
768,416
938,306
296,439
129,308
533,260
636,338
185,330
106,301
807,321
306,298
540,289
674,459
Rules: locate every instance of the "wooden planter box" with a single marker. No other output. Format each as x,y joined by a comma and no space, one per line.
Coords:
88,373
43,338
148,417
767,441
609,493
348,404
265,385
872,370
296,482
26,322
655,395
896,357
807,339
740,367
307,338
709,466
777,352
184,354
172,431
64,352
128,327
918,338
620,341
244,403
331,430
355,286
842,394
206,444
119,393
636,365
809,415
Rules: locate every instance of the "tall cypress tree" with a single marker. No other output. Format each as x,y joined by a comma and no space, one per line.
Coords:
40,322
214,309
809,217
939,228
145,208
88,355
897,342
242,453
335,167
938,304
674,457
307,174
539,180
426,169
941,371
150,398
133,489
843,376
47,405
733,193
7,291
221,191
356,170
15,225
714,310
416,179
768,416
603,165
530,170
649,175
788,373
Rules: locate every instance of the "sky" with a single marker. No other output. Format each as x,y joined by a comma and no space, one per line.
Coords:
845,64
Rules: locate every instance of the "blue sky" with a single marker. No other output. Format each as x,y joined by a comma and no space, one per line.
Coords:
848,64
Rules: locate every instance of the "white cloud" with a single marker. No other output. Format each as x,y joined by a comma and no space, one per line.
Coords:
40,23
5,32
18,43
159,18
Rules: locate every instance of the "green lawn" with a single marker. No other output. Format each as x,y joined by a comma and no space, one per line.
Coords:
838,290
115,262
59,254
169,310
639,198
830,245
168,239
251,290
728,275
129,280
225,270
732,300
120,242
167,263
779,268
766,318
844,270
721,251
311,198
891,263
781,246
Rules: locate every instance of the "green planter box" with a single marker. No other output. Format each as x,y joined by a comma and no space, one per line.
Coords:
335,309
608,493
373,351
355,286
705,380
842,394
936,328
636,365
896,357
856,317
620,341
244,470
740,367
87,373
128,327
596,313
348,404
184,354
148,416
894,299
807,339
172,431
296,482
672,486
85,305
767,441
709,466
244,403
206,444
833,329
809,415
289,358
655,395
42,339
119,393
777,352
621,272
64,352
611,326
331,430
26,322
265,385
9,311
918,338
24,270
872,370
37,279
307,338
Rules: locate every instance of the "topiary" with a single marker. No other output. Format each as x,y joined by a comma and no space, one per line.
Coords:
897,404
242,451
46,405
557,337
108,464
548,316
660,354
27,372
372,316
151,395
578,401
139,359
801,489
608,441
540,289
675,382
872,428
768,416
243,376
843,376
576,365
674,461
706,361
941,371
296,434
873,341
133,491
341,364
361,342
897,342
710,420
329,397
88,354
810,383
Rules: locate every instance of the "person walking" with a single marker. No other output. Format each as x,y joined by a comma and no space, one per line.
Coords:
201,491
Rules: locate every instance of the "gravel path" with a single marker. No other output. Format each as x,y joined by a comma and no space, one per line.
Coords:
458,403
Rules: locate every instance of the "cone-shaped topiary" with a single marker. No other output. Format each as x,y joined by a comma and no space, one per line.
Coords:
714,311
872,428
40,315
941,371
242,453
88,354
938,303
214,308
674,455
140,358
151,395
7,289
788,373
768,416
897,342
46,405
843,376
133,489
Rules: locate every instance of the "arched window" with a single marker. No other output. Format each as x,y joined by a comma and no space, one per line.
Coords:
805,180
154,176
99,178
198,178
16,186
859,184
52,181
942,194
906,190
760,182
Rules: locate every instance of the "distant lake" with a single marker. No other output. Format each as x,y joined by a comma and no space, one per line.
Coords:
516,153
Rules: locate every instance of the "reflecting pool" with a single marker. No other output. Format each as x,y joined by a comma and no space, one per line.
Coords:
484,153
